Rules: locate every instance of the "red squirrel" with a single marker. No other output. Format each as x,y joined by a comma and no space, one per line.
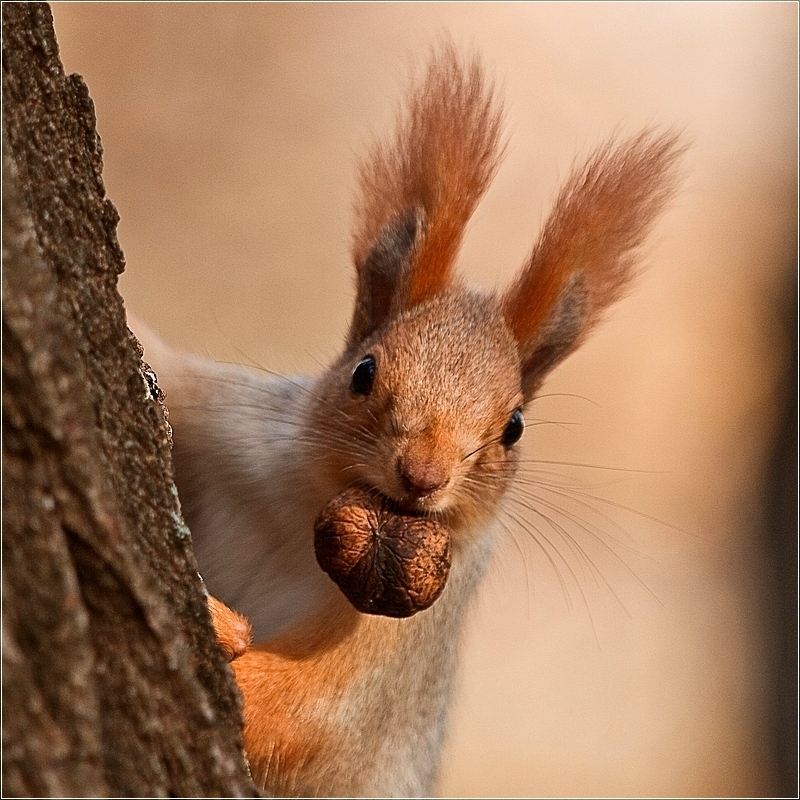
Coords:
424,408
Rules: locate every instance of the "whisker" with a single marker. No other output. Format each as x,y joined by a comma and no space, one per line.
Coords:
529,589
532,530
482,447
593,466
578,489
524,524
570,494
566,394
583,554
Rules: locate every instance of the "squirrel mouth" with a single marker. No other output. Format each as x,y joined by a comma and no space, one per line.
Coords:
420,504
415,505
405,499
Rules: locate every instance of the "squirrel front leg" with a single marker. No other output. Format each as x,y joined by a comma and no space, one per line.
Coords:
340,706
277,742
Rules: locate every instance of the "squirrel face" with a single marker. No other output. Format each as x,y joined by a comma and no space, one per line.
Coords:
425,406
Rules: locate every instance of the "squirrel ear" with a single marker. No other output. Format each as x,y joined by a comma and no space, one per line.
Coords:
382,274
586,255
418,190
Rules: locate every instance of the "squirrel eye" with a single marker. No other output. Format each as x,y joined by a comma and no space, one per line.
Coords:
363,376
514,428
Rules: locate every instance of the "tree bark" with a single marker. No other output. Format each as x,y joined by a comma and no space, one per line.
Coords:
113,683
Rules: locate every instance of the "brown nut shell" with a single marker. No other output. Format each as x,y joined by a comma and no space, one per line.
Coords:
384,560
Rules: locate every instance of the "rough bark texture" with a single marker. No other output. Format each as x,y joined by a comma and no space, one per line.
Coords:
112,681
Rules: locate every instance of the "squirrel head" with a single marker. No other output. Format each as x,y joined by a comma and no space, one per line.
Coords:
427,409
425,406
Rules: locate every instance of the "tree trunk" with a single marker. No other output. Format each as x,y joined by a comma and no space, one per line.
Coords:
112,681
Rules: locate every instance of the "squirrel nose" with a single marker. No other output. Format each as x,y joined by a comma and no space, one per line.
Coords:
422,479
422,476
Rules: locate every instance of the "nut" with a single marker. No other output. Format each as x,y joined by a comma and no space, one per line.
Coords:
385,561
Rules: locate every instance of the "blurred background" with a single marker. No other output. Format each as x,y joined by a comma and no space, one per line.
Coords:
643,643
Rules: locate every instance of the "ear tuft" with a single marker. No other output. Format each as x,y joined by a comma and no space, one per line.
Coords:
586,256
444,154
384,268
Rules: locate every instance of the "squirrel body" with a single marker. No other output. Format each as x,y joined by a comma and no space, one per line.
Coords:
335,687
423,408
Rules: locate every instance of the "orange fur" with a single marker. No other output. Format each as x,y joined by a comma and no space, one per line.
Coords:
591,239
444,155
292,686
234,632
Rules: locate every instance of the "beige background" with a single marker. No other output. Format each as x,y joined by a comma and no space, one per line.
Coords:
230,134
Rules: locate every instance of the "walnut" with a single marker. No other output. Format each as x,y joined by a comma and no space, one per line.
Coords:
385,561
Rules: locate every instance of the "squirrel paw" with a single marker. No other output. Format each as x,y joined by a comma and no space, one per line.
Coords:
234,632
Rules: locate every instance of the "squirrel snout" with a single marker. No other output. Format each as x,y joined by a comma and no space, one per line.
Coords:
424,467
421,478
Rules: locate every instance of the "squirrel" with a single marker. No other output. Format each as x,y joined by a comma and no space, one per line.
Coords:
424,409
